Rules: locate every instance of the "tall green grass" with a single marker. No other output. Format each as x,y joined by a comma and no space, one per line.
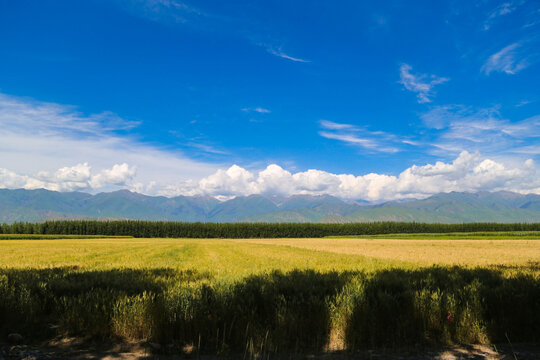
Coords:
276,311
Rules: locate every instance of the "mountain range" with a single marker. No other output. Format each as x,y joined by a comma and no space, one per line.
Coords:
40,205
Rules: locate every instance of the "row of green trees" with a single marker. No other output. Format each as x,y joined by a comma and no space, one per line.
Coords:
247,230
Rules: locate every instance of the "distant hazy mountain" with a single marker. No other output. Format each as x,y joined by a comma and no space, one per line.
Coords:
40,205
455,207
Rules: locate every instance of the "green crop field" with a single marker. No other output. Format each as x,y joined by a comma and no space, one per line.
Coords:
257,296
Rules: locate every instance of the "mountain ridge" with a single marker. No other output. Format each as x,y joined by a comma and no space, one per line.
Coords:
454,207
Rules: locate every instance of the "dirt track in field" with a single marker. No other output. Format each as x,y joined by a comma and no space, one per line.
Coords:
78,350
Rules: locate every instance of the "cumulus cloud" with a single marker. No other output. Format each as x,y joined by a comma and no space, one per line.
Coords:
421,84
468,172
233,181
79,173
120,175
508,60
9,179
73,178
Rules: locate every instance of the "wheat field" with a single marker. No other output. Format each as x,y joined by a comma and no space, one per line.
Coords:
270,295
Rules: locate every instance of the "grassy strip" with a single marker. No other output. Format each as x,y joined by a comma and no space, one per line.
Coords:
492,235
58,237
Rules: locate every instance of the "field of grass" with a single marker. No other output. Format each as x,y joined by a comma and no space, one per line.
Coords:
493,235
56,237
256,296
424,252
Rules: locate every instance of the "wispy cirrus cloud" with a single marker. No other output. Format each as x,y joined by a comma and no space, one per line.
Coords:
509,60
279,53
19,114
421,84
259,110
501,10
167,11
484,130
40,142
207,148
523,103
354,139
186,14
374,141
335,126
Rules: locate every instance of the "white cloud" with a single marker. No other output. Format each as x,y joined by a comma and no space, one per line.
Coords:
233,181
72,178
523,103
278,52
46,136
9,179
48,119
38,140
335,126
367,143
259,110
484,130
376,141
78,173
167,11
468,172
507,60
503,9
421,84
120,175
207,148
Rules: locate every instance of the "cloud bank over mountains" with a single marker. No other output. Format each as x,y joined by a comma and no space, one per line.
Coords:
468,172
56,147
73,178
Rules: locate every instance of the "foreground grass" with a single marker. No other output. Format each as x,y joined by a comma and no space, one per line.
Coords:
270,295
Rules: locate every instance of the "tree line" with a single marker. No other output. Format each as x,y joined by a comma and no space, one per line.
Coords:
137,228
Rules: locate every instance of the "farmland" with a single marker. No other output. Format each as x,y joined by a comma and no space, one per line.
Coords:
269,295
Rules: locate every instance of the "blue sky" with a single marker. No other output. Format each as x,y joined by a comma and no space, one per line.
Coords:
165,96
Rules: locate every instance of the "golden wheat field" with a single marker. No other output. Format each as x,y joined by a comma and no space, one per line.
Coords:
242,256
477,252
